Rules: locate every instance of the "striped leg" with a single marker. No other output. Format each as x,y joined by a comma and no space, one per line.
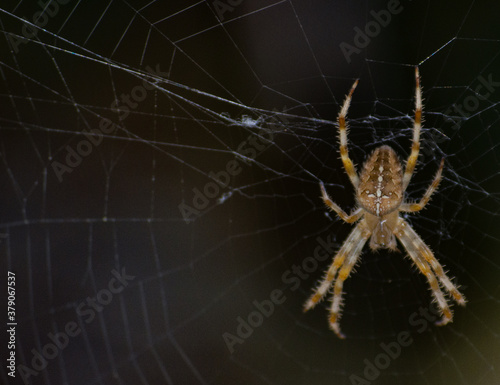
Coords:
344,153
412,207
353,217
423,257
417,123
344,260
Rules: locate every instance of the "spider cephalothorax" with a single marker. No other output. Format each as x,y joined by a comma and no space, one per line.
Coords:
380,192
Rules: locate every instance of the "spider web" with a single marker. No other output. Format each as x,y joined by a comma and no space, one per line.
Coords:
164,160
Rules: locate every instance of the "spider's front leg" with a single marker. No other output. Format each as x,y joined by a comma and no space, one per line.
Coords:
345,260
417,125
344,152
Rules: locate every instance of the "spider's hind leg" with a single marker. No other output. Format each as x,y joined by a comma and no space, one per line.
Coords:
429,266
345,260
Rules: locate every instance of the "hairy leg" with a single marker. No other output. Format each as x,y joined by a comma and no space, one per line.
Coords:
417,123
344,153
417,206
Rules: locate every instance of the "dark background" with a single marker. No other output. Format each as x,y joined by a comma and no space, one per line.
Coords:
119,208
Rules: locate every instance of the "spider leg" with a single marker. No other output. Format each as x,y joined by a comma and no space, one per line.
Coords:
412,207
423,257
353,217
344,153
417,123
344,260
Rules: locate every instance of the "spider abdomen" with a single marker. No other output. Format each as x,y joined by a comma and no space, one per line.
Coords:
380,188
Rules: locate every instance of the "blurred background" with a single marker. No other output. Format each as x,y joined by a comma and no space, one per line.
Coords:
160,167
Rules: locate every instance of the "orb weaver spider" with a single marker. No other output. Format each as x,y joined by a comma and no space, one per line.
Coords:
379,191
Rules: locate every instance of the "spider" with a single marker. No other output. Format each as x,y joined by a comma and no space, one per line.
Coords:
379,193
